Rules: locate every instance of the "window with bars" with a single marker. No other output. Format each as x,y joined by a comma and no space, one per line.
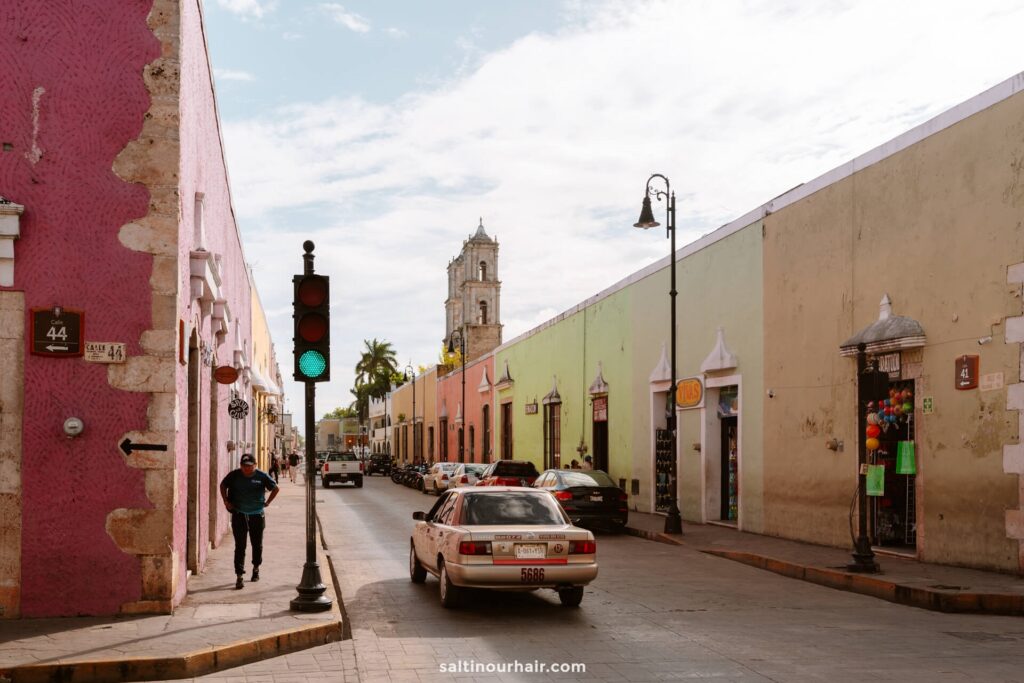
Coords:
552,435
506,431
486,445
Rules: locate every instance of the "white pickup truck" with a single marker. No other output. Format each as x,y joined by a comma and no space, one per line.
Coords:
342,467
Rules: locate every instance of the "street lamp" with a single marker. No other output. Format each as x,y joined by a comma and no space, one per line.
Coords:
457,334
410,373
863,556
673,522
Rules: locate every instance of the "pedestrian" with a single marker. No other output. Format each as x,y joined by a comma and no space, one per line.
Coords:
293,465
275,468
588,463
574,465
243,491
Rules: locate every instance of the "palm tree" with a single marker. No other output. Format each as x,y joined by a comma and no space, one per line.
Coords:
376,366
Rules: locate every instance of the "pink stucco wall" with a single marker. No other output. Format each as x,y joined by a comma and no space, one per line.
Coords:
203,170
72,98
449,390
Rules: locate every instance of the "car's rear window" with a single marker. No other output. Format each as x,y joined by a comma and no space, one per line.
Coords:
450,466
511,507
575,478
515,469
475,469
347,457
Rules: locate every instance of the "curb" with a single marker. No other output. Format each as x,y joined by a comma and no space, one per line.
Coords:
654,536
953,602
197,662
188,665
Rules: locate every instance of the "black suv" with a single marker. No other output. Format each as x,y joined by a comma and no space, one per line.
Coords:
379,463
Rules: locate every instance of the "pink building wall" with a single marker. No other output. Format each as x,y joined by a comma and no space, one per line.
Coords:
72,98
95,92
449,394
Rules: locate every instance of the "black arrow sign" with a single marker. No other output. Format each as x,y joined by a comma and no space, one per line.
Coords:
127,446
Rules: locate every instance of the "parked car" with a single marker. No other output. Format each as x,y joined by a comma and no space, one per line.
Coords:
508,473
436,478
467,474
379,463
503,537
590,497
341,468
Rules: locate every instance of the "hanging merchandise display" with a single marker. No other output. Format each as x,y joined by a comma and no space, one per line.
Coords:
876,480
905,463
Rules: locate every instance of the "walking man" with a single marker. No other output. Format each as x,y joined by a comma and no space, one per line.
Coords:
293,465
243,491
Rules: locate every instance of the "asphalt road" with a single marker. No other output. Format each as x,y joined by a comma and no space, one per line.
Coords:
655,613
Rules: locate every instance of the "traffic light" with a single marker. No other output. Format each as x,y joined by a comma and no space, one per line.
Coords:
312,328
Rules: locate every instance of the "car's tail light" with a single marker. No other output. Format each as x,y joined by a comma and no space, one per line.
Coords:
360,467
444,476
506,481
623,496
582,547
475,548
464,479
563,495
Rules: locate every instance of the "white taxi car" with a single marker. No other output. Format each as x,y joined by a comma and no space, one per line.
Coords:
501,537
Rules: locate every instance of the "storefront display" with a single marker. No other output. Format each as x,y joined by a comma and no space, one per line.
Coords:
889,440
664,475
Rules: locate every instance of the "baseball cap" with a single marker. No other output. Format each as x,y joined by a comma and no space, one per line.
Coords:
247,459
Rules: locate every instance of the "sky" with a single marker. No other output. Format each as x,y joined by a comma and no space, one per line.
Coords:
385,131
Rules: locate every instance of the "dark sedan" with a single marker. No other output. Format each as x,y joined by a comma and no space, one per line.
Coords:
589,497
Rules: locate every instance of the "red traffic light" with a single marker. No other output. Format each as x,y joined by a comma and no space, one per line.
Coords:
312,291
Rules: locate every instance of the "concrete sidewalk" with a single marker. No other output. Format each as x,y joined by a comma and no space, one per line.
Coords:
216,627
902,580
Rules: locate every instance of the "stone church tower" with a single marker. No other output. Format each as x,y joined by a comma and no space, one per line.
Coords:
474,295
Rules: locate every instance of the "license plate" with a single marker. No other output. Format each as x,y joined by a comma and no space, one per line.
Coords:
597,499
531,551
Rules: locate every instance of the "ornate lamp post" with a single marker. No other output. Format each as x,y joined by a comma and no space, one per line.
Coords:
457,334
673,521
411,374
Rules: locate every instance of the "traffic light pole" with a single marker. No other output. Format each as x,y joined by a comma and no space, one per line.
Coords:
311,589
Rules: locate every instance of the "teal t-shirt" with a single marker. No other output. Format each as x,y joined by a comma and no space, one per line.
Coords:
248,494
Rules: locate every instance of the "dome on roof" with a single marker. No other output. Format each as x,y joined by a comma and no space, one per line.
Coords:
480,233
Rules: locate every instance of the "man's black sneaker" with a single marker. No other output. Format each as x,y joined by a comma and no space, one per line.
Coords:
255,574
239,583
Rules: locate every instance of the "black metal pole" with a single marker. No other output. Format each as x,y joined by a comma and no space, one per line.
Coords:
415,450
673,520
462,429
863,556
311,588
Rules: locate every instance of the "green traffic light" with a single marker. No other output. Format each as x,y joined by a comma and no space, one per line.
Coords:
312,363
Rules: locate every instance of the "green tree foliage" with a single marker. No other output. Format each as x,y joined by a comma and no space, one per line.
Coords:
339,413
375,373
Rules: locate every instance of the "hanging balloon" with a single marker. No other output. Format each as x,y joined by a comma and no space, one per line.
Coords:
873,431
871,405
871,444
897,410
908,408
872,418
890,418
881,416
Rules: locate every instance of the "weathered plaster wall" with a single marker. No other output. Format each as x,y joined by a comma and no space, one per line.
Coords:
449,388
74,96
12,371
935,226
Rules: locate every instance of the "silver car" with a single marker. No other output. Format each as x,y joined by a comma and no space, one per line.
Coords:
501,537
436,479
466,475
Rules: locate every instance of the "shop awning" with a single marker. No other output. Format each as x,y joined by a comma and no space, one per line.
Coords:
888,333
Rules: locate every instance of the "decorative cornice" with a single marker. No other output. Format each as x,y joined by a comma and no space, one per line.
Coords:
662,372
720,358
552,396
505,381
599,387
485,384
888,333
10,230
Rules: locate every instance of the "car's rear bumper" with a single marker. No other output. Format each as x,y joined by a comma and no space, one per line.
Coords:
512,576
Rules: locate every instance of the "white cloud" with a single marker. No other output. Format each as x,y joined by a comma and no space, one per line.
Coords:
552,138
248,9
396,33
289,35
349,20
233,75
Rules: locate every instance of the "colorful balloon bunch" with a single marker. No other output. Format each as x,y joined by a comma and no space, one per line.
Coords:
886,413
